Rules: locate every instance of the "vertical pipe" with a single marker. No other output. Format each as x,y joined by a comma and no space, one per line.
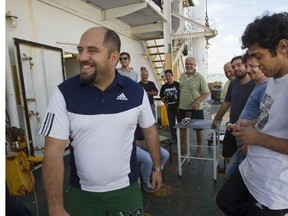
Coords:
167,34
11,104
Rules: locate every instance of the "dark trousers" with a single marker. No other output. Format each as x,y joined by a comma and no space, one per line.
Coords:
172,116
14,206
229,144
234,199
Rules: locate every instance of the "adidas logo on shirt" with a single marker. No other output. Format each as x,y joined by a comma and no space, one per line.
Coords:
121,97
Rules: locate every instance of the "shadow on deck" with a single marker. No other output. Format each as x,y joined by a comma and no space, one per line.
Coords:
192,194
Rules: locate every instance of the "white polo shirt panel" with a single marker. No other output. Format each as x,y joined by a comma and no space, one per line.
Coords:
101,128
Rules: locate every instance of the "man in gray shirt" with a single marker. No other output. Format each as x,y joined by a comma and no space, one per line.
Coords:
125,70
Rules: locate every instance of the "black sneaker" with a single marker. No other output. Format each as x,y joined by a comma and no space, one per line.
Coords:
148,189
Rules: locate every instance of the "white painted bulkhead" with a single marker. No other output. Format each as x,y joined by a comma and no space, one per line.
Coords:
60,24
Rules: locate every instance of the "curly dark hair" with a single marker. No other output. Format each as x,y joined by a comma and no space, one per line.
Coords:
266,31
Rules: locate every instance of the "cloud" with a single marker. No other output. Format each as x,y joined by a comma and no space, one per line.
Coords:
215,8
230,19
231,39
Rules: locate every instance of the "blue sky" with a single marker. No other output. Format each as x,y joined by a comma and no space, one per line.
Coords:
230,19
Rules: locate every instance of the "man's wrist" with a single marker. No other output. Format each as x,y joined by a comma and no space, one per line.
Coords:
216,119
157,169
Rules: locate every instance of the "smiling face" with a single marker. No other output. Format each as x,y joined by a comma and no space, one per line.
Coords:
239,69
144,76
229,72
190,65
96,64
169,77
253,70
124,60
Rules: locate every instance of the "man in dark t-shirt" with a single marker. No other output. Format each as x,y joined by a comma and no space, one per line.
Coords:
169,95
238,92
150,89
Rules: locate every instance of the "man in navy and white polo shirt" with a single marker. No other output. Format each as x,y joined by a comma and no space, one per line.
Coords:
98,111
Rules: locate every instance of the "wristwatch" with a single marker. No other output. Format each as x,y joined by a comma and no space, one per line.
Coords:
159,169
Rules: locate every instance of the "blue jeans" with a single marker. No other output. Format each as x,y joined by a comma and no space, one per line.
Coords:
236,160
146,163
234,163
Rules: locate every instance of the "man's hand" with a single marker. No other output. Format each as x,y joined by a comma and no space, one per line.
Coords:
247,135
195,105
156,180
215,123
240,123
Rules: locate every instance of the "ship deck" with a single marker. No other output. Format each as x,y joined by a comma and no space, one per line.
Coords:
191,194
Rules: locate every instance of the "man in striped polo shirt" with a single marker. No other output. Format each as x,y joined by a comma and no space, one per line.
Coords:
98,111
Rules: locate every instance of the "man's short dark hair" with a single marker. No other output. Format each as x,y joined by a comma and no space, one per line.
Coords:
266,31
168,71
112,41
125,53
236,58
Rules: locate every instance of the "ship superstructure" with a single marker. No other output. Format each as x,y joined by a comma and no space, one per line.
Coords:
42,36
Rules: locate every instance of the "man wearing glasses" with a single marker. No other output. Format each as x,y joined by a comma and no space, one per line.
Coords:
125,70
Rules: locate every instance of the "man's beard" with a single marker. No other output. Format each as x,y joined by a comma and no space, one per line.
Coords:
240,75
88,78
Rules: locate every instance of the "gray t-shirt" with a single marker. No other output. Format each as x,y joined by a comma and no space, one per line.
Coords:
131,74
